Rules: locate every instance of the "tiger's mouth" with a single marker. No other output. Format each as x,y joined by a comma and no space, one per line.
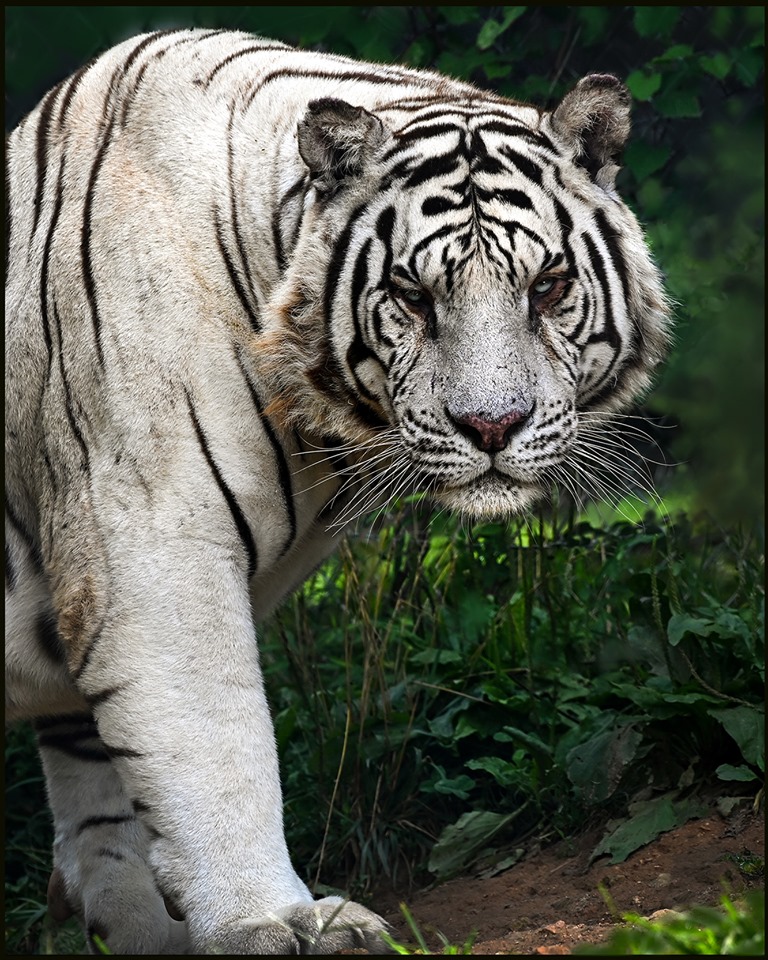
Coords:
490,495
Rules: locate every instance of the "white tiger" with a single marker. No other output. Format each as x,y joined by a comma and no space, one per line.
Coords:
226,257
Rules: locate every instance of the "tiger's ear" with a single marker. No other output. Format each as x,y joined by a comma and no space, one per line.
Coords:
335,140
594,119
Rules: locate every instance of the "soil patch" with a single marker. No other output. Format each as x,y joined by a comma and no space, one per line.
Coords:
550,901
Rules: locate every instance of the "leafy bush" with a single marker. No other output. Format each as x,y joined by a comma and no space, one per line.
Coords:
527,675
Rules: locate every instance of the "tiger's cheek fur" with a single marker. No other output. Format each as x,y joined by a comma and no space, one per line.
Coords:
254,292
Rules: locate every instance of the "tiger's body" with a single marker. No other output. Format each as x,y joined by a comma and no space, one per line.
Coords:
253,291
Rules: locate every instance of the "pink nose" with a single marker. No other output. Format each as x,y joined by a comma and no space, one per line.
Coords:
490,435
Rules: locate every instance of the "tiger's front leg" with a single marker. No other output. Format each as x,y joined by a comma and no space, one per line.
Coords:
174,678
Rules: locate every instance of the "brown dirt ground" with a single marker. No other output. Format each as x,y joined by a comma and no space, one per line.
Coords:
550,902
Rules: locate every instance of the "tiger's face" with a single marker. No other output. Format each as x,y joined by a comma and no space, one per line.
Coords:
483,290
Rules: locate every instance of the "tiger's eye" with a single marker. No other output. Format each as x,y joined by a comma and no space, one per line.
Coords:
415,297
543,286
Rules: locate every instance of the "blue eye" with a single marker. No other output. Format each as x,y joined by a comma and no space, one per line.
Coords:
543,286
415,297
411,297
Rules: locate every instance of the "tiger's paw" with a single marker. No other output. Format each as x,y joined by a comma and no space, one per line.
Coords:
323,927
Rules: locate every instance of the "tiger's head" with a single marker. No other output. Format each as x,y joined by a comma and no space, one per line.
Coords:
468,294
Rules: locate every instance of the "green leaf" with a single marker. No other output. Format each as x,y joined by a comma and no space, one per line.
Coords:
456,786
749,66
595,768
655,21
727,772
491,30
720,20
495,71
433,656
512,735
461,841
648,819
747,727
643,159
680,51
506,774
458,15
682,623
594,22
643,85
730,624
677,104
719,65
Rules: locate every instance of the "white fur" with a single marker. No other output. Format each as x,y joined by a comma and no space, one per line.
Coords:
108,442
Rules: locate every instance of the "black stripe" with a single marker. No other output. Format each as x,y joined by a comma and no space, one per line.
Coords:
243,53
65,719
26,536
44,269
447,229
335,266
10,570
74,425
129,95
233,209
78,672
91,822
437,206
142,45
431,169
110,854
514,130
277,216
332,372
284,474
524,165
385,225
328,375
610,334
94,699
116,752
237,514
234,278
514,198
47,722
422,131
291,73
72,744
611,241
358,351
72,84
41,155
48,638
85,240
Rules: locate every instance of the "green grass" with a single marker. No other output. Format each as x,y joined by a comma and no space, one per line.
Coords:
737,929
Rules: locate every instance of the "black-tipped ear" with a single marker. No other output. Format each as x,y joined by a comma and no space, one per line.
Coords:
335,139
594,118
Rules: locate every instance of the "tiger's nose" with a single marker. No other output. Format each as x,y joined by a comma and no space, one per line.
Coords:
488,433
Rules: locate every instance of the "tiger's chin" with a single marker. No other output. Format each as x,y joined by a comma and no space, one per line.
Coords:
491,496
